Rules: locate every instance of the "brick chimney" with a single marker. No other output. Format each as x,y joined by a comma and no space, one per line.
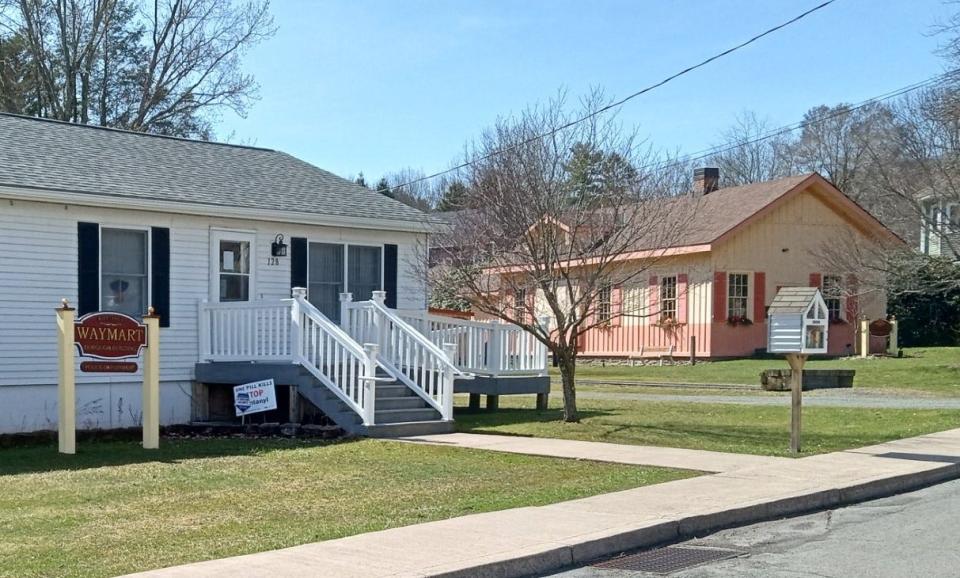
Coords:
706,180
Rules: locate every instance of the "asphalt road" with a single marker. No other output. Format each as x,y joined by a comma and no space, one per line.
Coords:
915,534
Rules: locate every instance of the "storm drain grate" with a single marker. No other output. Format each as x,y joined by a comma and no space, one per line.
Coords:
668,559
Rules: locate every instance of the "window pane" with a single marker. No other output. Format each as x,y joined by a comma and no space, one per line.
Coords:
325,273
123,251
234,257
124,294
364,272
123,263
234,287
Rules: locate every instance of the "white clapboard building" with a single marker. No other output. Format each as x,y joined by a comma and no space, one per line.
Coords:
215,237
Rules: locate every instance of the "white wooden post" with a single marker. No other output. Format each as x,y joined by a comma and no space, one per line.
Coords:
894,345
864,337
151,382
379,323
495,356
345,300
449,350
369,383
203,318
66,388
544,356
296,324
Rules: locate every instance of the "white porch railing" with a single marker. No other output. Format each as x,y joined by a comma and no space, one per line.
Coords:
339,362
425,367
483,347
247,331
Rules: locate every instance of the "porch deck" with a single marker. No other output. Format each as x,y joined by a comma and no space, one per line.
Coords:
356,369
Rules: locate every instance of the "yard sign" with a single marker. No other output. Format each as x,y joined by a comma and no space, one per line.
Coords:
255,397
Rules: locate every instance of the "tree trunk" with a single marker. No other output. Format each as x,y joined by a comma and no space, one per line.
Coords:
568,370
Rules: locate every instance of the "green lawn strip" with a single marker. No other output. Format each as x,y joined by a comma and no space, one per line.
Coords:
114,508
720,427
933,371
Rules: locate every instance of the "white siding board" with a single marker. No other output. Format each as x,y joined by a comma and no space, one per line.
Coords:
38,268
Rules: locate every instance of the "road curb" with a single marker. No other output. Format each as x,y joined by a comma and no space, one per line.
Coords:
555,558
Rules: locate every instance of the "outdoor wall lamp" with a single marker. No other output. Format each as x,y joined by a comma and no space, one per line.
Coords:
278,248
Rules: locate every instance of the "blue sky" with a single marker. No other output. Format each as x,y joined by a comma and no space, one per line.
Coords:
379,85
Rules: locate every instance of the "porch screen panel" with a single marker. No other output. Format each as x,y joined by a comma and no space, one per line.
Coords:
325,278
364,271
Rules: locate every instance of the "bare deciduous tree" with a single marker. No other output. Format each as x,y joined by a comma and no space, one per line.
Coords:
161,66
556,223
749,156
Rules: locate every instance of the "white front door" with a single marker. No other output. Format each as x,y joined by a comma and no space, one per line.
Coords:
232,265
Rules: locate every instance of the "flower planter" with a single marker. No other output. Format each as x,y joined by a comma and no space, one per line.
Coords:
779,379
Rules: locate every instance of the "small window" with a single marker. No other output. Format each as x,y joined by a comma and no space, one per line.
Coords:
604,304
363,271
123,271
234,264
832,289
953,219
520,305
738,293
668,298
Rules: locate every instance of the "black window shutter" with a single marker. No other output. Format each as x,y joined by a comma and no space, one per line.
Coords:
88,268
390,275
298,262
160,273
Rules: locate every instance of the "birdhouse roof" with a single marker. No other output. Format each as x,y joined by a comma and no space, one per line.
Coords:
792,300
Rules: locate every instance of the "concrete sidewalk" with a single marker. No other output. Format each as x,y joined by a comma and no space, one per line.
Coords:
539,539
679,458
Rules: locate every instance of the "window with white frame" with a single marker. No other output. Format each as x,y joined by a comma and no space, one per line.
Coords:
738,295
124,270
668,298
605,304
832,290
520,305
234,265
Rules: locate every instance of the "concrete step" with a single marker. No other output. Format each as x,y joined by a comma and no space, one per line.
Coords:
405,402
405,415
404,429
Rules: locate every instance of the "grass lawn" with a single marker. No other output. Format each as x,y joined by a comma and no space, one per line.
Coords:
933,371
721,427
114,508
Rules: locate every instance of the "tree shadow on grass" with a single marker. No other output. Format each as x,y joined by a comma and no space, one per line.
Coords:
39,458
476,421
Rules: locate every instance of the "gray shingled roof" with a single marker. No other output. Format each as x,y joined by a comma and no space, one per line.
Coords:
792,300
57,156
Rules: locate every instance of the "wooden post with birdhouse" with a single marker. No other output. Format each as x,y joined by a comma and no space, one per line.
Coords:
797,326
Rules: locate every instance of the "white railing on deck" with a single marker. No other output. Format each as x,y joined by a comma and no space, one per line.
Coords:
408,355
483,347
247,331
339,362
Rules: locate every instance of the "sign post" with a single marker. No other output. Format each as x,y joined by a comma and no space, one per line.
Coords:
796,362
151,382
113,341
66,382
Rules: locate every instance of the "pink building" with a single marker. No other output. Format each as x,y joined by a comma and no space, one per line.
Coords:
712,288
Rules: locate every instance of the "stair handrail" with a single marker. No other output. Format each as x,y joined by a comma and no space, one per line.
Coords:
426,369
359,396
422,339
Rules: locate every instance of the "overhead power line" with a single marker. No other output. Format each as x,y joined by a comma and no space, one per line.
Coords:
620,102
726,147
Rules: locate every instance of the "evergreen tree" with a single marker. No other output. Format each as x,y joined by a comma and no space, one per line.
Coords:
454,197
